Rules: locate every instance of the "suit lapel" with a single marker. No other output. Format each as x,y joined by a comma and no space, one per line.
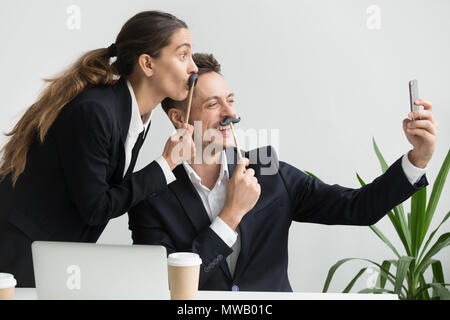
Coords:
192,205
123,106
232,159
246,225
189,199
123,112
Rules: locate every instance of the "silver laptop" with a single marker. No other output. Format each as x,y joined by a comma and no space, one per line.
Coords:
85,271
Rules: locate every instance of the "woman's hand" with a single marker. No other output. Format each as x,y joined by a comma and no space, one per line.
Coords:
180,146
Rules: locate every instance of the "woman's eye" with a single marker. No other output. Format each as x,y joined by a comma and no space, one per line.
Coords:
212,104
183,56
231,101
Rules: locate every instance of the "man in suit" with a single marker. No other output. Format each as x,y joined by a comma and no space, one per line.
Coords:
238,219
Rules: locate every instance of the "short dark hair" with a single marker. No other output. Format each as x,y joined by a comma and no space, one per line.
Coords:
205,63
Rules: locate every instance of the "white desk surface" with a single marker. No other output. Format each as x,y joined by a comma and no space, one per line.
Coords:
30,294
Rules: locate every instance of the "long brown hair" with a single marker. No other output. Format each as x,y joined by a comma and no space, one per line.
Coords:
147,32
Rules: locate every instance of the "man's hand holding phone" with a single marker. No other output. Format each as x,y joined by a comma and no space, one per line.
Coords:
420,129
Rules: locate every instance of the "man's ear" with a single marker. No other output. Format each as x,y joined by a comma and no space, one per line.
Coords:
176,116
146,64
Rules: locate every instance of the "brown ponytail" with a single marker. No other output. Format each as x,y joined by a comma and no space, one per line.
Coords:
147,32
92,69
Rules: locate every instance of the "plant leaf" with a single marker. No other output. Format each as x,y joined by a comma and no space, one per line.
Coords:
333,269
360,180
384,239
383,163
442,242
350,285
417,223
402,268
424,295
402,232
432,235
442,292
381,278
312,175
436,192
403,227
400,224
395,222
438,274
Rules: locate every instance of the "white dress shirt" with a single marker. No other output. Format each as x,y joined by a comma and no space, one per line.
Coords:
135,129
214,201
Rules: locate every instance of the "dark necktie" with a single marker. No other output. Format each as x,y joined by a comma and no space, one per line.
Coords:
137,146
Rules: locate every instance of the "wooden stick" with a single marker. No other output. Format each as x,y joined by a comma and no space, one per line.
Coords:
235,141
189,103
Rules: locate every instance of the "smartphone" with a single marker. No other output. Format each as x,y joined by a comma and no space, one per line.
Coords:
413,95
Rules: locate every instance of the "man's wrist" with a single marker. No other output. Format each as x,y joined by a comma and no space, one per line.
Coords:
415,160
229,218
224,231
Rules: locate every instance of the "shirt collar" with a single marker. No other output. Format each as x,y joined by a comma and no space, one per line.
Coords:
136,124
195,179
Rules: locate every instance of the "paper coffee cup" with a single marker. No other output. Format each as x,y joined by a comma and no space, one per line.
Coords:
184,273
7,285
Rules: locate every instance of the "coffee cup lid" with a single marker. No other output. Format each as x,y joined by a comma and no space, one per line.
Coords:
184,259
7,281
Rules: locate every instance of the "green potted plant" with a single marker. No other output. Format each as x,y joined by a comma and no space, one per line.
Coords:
408,280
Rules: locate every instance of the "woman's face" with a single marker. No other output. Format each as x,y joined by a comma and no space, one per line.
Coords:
174,66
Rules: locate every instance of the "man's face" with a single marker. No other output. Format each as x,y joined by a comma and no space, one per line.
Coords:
212,103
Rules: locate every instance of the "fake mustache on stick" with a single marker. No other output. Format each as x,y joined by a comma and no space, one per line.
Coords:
192,82
230,121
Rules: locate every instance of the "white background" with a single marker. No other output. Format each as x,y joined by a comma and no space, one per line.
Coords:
313,70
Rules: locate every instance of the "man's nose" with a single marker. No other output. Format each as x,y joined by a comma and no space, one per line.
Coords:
228,111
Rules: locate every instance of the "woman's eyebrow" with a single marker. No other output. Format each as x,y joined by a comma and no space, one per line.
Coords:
184,44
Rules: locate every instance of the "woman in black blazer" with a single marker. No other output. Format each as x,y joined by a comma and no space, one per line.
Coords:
68,166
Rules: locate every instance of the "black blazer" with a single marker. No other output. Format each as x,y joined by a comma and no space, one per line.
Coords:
73,183
176,218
